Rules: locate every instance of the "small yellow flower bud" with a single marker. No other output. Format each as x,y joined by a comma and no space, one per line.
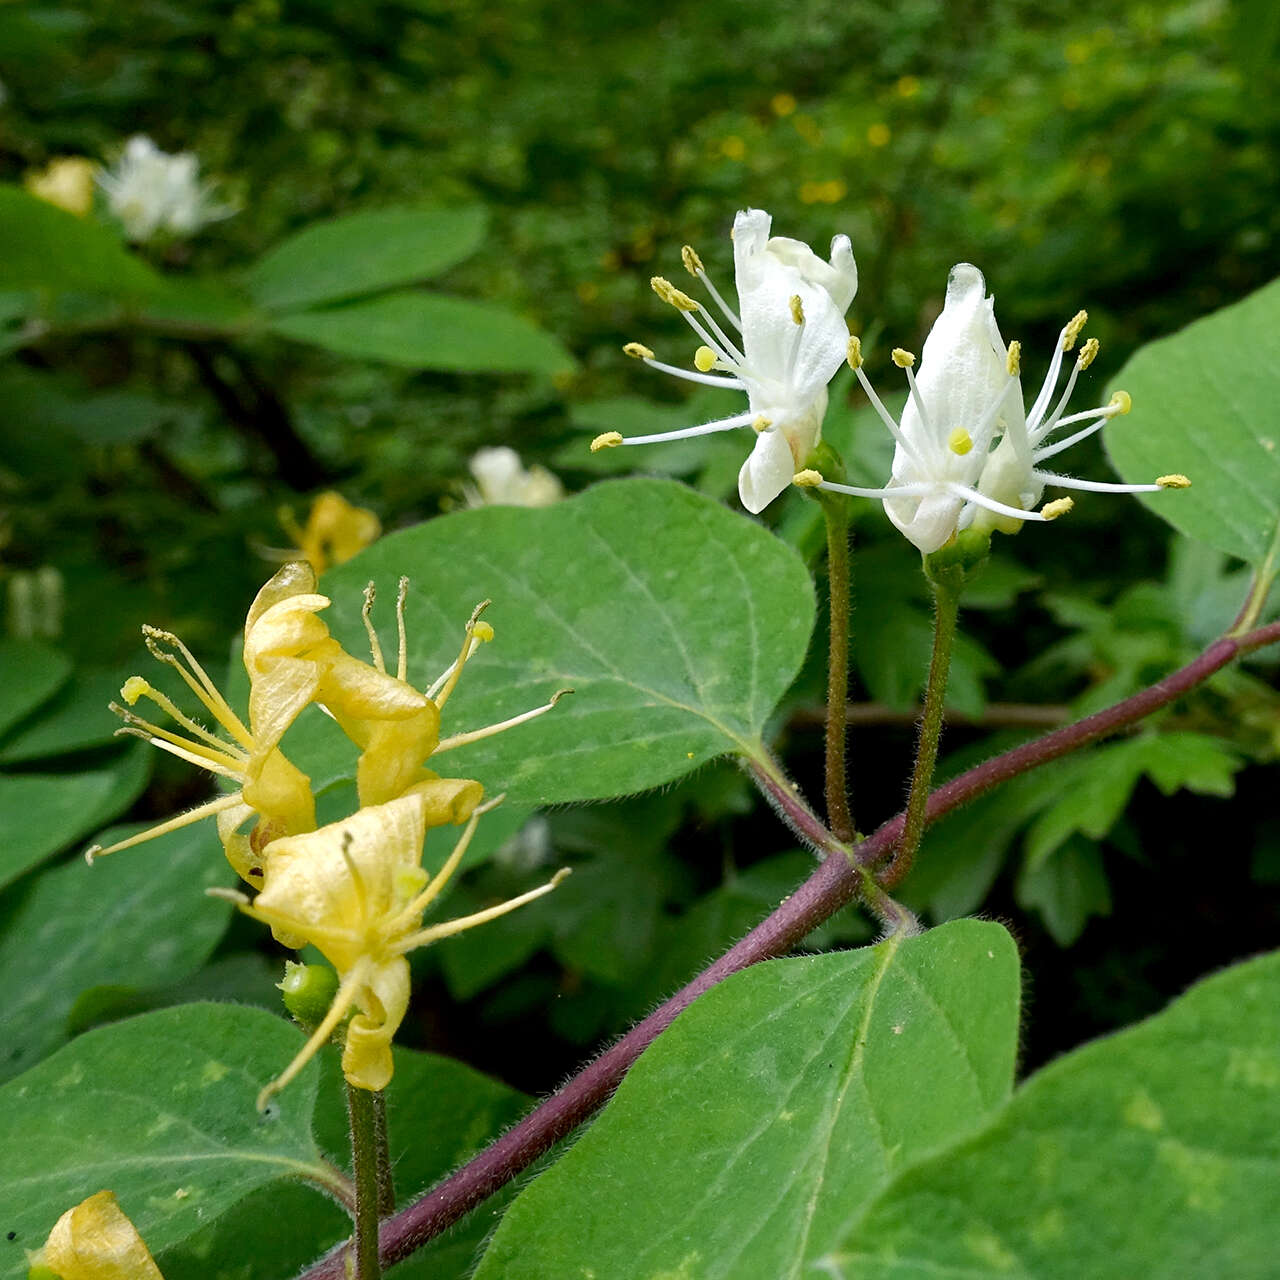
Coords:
704,359
959,441
1013,361
637,351
606,440
1121,402
902,358
807,479
1072,331
1088,353
692,263
1173,481
855,352
1058,507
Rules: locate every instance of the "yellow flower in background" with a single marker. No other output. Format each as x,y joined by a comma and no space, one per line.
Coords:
66,182
335,531
356,890
94,1241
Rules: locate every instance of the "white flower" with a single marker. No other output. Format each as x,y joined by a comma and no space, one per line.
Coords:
502,480
967,453
793,339
150,191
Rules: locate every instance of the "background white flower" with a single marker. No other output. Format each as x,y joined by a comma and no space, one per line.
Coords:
151,191
501,479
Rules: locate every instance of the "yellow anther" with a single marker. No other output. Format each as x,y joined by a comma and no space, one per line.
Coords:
606,440
761,424
1058,507
1013,361
637,351
692,263
1072,331
669,293
902,358
808,479
797,309
1088,353
482,631
855,352
1176,480
959,441
134,687
1120,402
704,359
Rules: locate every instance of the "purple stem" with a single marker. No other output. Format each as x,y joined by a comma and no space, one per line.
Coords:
834,884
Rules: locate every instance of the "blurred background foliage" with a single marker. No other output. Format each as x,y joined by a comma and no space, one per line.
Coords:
1125,158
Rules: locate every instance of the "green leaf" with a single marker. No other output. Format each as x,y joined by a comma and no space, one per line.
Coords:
197,308
161,1110
363,253
49,248
678,624
1066,887
430,331
1150,1153
748,1137
32,673
42,813
76,718
151,924
1204,404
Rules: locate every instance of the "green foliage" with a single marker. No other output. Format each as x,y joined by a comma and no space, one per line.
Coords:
793,1092
35,673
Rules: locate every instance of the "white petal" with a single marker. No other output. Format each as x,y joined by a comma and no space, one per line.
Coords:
839,277
927,522
766,472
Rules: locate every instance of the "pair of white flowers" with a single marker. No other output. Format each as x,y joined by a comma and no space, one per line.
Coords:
153,192
968,452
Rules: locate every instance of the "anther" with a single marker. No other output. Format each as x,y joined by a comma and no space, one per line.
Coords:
807,479
1013,361
959,441
1174,481
1120,402
482,631
1058,507
1088,353
669,293
637,351
134,687
692,263
797,309
854,356
1072,331
606,440
761,424
704,359
902,358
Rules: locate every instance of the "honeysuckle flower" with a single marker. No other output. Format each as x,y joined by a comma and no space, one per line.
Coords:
357,891
66,182
94,1241
335,531
285,650
151,191
397,727
791,339
967,451
501,479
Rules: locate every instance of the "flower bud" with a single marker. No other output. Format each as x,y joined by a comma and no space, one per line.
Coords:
308,991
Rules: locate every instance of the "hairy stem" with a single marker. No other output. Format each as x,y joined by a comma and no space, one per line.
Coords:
835,511
386,1184
834,884
946,609
364,1156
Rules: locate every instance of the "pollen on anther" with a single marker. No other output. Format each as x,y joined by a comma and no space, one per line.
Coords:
807,479
637,351
1088,353
855,352
482,631
1058,507
1072,331
797,309
670,294
704,359
761,424
133,689
959,441
1013,361
1175,480
692,263
903,358
1120,402
606,440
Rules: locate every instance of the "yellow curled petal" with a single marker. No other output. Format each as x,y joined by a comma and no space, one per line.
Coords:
96,1241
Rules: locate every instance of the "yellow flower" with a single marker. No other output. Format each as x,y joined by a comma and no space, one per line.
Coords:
94,1241
335,530
66,182
356,890
285,649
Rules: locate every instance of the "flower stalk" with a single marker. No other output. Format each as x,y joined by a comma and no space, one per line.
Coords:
364,1158
835,511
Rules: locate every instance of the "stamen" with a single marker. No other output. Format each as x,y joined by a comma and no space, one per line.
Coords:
198,681
1058,507
1091,486
807,479
475,735
704,359
797,309
916,397
402,655
1088,353
1013,360
370,595
1072,331
671,295
448,679
1121,402
606,440
357,880
218,758
959,441
692,263
1174,481
1000,508
855,352
136,687
761,423
198,814
638,351
705,379
887,418
902,358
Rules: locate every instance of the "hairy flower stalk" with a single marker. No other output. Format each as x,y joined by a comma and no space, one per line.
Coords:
967,452
782,348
